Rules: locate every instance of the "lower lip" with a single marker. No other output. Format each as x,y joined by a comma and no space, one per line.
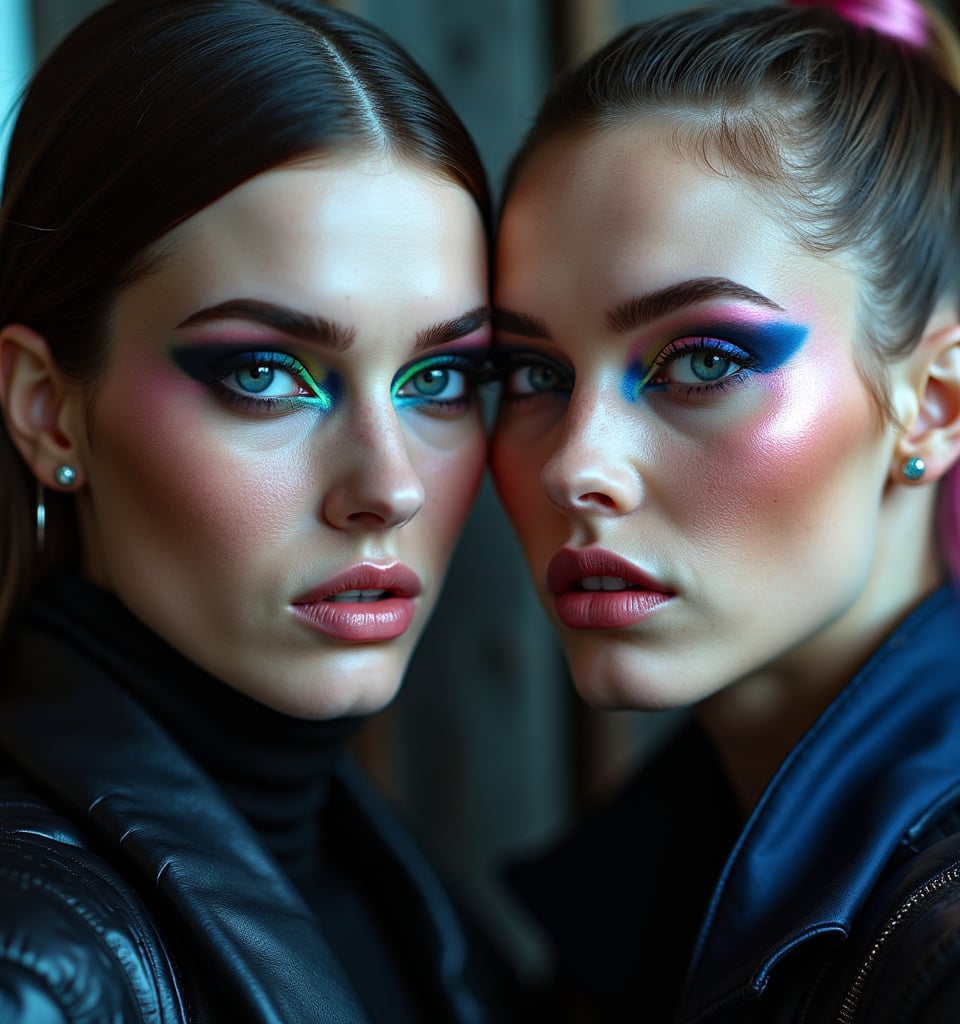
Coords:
607,609
360,622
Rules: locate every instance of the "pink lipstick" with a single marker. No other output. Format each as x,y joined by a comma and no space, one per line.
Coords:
595,589
366,603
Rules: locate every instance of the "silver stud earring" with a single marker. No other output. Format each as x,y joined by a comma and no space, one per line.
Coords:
913,469
41,518
65,475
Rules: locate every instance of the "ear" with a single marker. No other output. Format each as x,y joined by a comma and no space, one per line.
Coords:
933,421
37,405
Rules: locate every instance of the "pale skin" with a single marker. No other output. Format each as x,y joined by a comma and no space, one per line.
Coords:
209,513
768,505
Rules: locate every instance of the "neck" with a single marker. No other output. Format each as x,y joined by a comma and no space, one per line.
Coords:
755,722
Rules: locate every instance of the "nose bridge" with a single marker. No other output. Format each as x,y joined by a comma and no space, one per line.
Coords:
376,483
595,466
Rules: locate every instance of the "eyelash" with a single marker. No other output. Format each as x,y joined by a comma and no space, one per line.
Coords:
473,372
640,378
509,364
322,395
213,368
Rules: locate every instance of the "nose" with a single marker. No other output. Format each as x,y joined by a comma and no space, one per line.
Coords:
374,486
594,469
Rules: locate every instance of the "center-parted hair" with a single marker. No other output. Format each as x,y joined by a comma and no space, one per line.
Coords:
146,113
849,124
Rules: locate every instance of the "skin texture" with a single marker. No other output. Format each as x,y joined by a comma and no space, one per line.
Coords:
765,509
210,519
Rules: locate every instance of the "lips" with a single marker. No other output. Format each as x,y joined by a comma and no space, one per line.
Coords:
595,589
366,603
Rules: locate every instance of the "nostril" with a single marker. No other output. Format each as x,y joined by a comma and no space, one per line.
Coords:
596,499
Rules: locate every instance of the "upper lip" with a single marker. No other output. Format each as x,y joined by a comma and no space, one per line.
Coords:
398,578
569,566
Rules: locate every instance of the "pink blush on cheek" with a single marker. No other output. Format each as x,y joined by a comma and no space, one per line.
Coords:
789,459
179,471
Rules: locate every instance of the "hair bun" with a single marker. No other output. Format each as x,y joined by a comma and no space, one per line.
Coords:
903,20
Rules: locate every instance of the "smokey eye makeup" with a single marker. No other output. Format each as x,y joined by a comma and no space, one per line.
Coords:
257,381
701,364
442,384
527,372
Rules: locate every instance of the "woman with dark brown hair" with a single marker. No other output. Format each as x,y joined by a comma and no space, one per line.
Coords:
243,311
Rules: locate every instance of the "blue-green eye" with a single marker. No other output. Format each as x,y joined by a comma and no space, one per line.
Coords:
703,368
263,380
434,382
700,365
526,374
440,384
259,381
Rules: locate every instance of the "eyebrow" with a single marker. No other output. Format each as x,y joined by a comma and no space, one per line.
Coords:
449,330
328,333
520,323
319,330
639,310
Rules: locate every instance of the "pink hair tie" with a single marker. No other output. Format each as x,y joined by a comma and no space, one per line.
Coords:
903,20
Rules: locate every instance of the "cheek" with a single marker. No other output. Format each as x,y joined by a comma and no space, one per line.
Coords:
787,472
168,473
450,476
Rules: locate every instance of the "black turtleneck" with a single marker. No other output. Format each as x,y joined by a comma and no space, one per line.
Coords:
277,770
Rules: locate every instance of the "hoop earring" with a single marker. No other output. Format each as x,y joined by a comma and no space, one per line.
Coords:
41,518
913,469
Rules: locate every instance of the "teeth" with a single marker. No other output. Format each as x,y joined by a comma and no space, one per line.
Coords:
355,596
604,583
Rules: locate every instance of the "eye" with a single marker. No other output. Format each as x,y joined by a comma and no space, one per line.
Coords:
702,368
538,376
262,380
697,364
256,381
440,385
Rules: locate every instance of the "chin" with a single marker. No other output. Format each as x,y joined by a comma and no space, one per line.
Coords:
625,681
326,691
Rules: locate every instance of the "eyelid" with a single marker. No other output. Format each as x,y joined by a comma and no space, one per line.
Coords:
638,377
682,346
210,364
505,358
471,361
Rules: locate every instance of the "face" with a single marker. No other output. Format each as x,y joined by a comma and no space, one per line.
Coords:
286,441
693,463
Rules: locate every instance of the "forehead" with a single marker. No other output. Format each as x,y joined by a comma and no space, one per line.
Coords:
344,230
633,208
365,199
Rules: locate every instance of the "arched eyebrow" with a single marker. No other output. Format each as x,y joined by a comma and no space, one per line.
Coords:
315,329
520,323
328,333
639,310
449,330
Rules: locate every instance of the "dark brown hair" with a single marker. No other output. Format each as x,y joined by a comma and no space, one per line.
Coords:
148,112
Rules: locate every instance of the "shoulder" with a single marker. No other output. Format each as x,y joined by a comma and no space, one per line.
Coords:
76,942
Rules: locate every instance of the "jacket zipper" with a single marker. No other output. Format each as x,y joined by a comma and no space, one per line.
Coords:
851,1001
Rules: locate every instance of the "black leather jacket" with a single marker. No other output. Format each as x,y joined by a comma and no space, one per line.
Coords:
837,901
132,890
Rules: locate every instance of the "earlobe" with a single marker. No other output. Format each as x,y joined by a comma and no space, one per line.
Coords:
930,445
34,397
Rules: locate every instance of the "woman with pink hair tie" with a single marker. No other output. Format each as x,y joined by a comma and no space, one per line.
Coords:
727,302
